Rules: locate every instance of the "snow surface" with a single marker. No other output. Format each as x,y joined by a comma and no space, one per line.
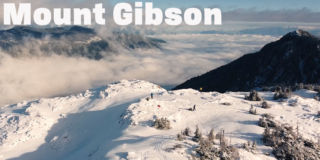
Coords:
115,122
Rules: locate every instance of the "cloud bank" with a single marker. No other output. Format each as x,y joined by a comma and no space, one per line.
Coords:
304,15
183,57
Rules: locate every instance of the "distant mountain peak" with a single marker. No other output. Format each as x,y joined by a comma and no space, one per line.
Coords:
292,59
300,33
69,41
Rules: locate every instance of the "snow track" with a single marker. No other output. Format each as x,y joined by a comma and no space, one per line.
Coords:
159,147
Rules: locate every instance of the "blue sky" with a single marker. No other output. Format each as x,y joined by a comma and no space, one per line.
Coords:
246,13
232,4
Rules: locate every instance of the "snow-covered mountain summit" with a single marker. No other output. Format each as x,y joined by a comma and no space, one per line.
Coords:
291,59
116,122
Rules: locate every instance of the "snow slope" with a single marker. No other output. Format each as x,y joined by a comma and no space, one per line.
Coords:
115,122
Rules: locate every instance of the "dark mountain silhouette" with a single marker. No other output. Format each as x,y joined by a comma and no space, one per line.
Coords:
292,59
69,41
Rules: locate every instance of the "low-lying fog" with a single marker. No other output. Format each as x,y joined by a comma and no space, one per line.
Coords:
183,57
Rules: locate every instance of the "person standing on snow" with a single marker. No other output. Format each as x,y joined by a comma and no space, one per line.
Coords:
151,95
194,107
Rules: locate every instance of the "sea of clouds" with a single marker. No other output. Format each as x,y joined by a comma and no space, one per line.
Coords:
181,58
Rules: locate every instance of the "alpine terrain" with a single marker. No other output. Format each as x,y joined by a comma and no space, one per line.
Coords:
122,121
294,58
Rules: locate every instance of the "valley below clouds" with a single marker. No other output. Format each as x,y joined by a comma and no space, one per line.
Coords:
182,57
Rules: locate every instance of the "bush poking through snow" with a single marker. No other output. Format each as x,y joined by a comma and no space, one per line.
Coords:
180,137
206,150
282,93
265,105
222,140
254,146
186,132
308,87
253,96
252,110
267,115
197,135
289,144
218,135
211,136
266,122
250,147
162,124
205,143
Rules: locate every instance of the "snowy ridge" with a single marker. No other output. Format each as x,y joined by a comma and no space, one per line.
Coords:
27,121
297,32
115,122
131,85
21,127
